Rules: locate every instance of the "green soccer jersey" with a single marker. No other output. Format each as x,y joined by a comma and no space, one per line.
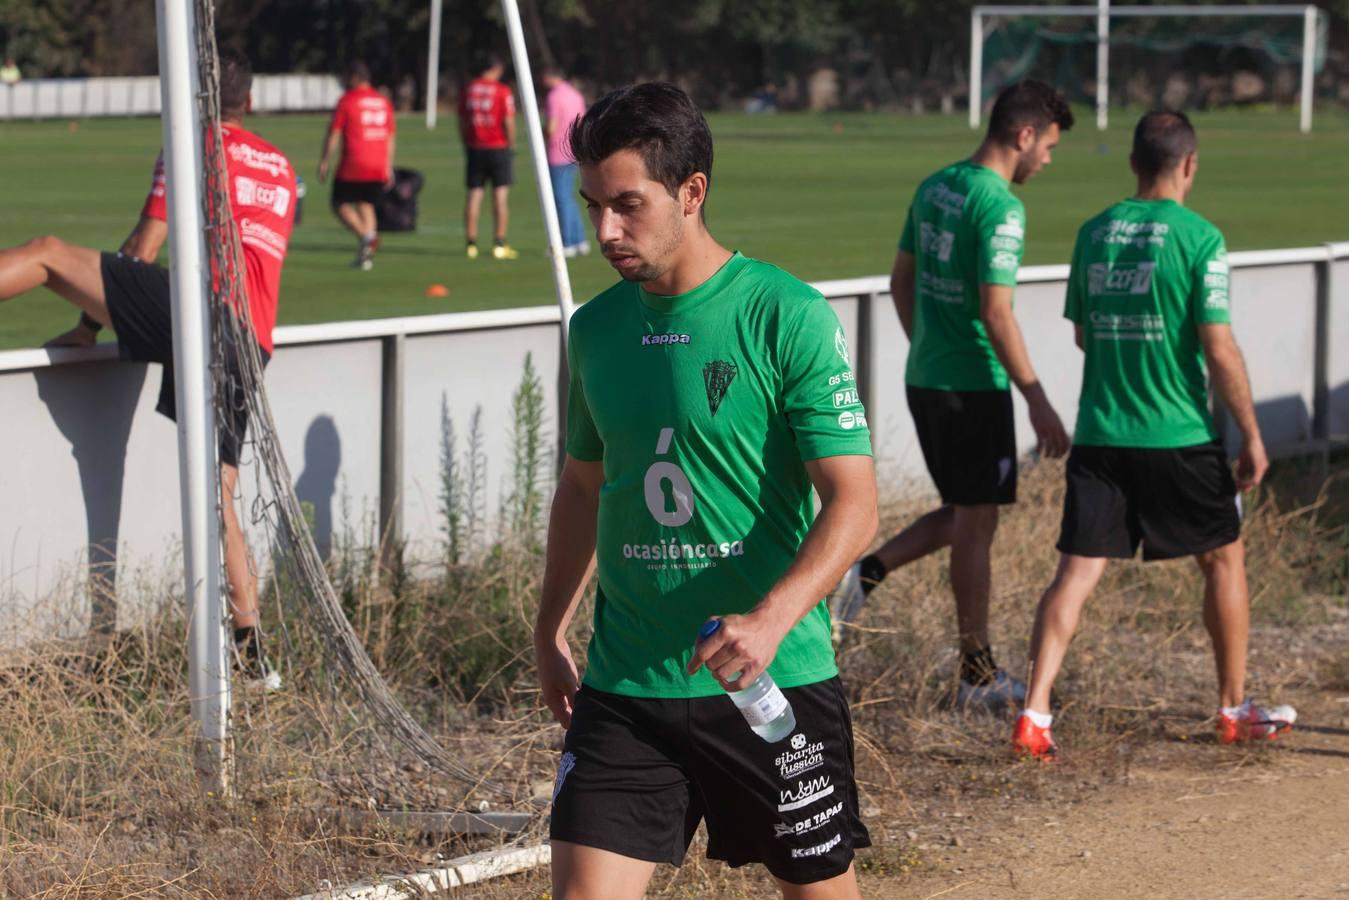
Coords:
965,228
703,408
1145,275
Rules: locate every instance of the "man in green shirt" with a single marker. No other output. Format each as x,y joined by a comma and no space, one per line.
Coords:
709,393
1147,296
952,285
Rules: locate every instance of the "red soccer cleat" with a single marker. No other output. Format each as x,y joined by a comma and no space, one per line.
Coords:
1255,723
1030,740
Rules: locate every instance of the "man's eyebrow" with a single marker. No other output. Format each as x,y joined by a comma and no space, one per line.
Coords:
626,195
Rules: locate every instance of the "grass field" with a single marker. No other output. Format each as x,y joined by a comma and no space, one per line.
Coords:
822,195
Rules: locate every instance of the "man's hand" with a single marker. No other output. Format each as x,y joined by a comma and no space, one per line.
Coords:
1050,436
323,170
743,644
1252,464
79,336
558,678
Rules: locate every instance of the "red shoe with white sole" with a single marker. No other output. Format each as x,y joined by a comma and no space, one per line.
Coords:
1030,740
1255,723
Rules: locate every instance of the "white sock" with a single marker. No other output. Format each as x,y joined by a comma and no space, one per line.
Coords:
1038,719
1239,711
368,238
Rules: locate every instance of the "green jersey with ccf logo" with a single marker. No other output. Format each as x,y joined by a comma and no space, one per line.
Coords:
703,408
965,228
1145,275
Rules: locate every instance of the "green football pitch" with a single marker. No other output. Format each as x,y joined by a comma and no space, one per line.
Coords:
821,195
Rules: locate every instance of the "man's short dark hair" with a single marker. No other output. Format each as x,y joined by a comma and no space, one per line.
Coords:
358,71
1028,102
656,119
488,60
236,81
1162,140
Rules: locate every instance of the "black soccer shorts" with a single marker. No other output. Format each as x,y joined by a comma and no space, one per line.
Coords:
1175,502
969,443
638,774
137,296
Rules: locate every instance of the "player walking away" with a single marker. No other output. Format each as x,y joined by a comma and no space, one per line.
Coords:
1147,297
364,124
129,293
700,414
487,127
563,106
952,286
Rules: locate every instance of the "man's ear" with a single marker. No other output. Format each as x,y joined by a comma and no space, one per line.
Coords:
1026,136
693,193
1190,164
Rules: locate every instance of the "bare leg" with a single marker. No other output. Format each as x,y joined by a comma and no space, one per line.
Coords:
501,211
369,221
840,887
1227,617
587,873
1056,620
472,209
928,534
351,215
972,531
68,270
243,583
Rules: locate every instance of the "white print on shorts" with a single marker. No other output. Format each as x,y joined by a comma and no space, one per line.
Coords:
818,849
564,766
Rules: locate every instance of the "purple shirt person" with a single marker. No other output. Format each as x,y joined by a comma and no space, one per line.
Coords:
563,106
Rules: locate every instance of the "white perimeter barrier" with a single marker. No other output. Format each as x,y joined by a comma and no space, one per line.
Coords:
78,98
88,480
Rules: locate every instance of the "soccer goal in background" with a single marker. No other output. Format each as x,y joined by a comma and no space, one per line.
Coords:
1164,54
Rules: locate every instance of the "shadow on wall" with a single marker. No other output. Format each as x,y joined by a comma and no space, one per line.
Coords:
1284,421
98,433
317,483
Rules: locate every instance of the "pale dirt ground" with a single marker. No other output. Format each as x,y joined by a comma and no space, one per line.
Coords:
1268,822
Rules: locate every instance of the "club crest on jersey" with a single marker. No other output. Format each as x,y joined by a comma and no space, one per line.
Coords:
717,376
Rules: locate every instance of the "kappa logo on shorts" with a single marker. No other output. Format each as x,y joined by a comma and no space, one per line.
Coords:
818,849
717,376
564,767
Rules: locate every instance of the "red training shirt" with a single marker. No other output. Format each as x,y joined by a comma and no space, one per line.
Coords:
365,118
262,200
484,108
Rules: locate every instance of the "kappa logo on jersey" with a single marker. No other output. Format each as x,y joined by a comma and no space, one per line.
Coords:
1119,279
805,793
665,340
248,192
717,377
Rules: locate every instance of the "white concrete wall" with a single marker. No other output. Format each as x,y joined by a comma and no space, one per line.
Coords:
89,476
77,98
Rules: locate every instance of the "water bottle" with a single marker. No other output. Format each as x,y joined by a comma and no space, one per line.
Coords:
762,704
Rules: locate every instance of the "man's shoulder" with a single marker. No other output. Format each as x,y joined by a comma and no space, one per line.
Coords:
1196,226
775,284
248,150
602,308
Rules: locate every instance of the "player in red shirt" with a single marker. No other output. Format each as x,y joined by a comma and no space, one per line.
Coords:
128,292
364,123
487,127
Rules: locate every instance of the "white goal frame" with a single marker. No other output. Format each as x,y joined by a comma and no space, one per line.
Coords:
1103,12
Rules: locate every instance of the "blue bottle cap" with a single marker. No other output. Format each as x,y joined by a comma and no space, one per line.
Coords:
709,628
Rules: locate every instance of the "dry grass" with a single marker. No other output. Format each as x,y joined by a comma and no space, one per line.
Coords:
97,791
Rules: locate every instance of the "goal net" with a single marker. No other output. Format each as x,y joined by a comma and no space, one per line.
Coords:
1201,57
